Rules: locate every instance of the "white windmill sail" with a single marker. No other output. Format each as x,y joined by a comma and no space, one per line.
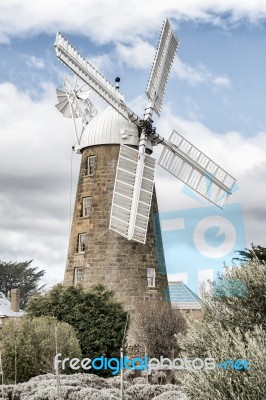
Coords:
135,223
165,54
123,195
195,169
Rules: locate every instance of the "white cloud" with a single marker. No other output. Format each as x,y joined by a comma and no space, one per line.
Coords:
138,104
34,62
117,20
193,109
27,129
35,179
198,75
139,55
101,62
222,80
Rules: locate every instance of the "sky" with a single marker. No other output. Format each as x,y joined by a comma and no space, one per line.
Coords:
215,97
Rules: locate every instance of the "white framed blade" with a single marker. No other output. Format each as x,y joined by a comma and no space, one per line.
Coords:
85,71
123,196
64,106
163,61
144,201
195,169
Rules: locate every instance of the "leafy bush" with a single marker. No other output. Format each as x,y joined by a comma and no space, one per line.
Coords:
227,384
172,395
28,347
233,328
87,387
149,392
98,319
238,298
155,326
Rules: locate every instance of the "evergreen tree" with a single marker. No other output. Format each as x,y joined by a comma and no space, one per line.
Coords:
20,275
98,319
256,252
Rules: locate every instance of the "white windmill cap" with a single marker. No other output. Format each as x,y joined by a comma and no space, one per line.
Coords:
109,127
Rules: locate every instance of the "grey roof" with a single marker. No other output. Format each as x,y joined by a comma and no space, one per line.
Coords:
109,127
182,297
5,308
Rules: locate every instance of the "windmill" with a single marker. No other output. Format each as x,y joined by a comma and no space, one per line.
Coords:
74,102
128,257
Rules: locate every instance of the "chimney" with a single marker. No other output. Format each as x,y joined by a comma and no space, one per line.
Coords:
15,300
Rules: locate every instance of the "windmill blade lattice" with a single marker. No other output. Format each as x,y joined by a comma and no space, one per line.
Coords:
64,106
164,57
196,170
74,100
123,195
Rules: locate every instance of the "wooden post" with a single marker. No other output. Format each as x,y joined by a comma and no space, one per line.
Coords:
2,374
58,386
121,374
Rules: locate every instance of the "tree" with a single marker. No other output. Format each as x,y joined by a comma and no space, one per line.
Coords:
155,325
20,275
256,251
98,319
238,298
233,327
28,347
225,344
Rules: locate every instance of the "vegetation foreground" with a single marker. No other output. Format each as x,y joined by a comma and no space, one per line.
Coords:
91,387
233,327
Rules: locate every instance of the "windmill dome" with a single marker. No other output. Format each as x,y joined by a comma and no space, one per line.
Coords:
109,127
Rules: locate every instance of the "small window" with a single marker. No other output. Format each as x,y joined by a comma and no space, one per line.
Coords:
79,276
151,277
81,242
91,165
86,206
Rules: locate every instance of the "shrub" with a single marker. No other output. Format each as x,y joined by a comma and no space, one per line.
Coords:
99,320
28,347
226,384
233,328
155,326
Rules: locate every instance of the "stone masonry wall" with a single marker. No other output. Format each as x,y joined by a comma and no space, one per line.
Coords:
110,259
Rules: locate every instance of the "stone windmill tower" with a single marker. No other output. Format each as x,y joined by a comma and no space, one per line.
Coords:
115,237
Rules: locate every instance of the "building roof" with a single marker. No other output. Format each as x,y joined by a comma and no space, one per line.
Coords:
109,127
5,308
182,297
